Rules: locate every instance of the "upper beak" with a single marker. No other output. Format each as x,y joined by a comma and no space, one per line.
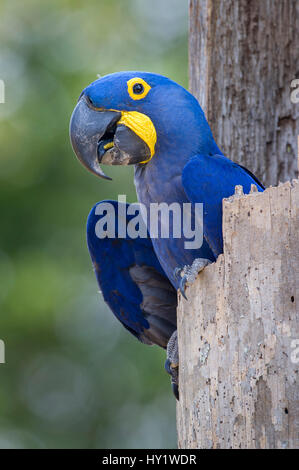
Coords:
87,127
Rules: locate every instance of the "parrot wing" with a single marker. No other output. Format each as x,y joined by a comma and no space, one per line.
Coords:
132,280
208,179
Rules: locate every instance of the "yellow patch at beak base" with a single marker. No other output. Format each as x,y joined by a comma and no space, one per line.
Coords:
142,126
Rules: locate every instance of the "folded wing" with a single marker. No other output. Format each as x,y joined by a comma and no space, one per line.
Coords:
208,179
130,276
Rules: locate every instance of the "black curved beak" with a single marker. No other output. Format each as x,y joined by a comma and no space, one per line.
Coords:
87,128
97,137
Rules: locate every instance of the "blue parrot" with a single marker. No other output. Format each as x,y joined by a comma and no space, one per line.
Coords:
150,121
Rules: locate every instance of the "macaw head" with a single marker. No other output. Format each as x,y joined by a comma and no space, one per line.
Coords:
130,117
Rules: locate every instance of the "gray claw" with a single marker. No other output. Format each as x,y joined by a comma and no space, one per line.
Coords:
180,275
182,286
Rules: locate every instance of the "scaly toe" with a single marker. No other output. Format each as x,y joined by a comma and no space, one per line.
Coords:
172,362
177,273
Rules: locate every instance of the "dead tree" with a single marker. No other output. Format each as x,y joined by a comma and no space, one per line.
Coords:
243,57
238,331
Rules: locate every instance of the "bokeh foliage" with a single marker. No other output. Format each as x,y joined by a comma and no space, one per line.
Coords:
73,376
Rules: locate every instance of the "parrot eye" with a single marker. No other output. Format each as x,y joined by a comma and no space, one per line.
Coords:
138,88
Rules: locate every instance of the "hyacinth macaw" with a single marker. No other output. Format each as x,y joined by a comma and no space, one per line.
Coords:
150,121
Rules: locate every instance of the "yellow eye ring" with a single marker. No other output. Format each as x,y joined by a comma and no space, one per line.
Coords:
138,88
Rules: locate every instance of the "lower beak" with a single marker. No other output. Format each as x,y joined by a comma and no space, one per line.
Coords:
102,136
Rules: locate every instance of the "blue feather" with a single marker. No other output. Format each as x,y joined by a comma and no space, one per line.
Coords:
209,179
118,262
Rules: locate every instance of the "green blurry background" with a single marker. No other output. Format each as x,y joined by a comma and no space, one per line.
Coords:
73,376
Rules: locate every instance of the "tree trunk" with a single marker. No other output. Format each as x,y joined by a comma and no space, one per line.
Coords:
238,331
243,57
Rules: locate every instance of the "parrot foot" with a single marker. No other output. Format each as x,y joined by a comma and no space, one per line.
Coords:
172,363
188,273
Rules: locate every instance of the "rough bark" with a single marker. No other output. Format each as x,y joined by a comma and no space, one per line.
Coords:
243,56
238,330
